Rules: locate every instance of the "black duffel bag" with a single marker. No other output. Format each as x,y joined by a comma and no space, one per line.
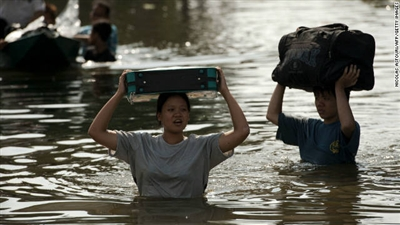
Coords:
317,56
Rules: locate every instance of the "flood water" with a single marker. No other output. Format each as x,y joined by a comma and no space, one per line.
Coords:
52,172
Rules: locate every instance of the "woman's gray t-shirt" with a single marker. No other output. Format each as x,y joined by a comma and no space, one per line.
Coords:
169,171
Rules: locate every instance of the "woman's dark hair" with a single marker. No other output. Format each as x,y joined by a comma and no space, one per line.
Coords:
163,97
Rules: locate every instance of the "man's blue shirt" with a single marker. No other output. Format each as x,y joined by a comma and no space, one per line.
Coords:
319,143
112,41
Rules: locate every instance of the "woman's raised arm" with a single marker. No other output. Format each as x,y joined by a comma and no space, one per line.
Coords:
231,139
98,129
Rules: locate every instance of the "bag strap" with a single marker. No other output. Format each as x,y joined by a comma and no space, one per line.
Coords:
335,26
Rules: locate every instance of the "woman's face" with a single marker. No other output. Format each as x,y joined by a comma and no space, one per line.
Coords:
174,114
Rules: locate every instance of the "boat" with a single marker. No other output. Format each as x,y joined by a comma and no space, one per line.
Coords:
44,48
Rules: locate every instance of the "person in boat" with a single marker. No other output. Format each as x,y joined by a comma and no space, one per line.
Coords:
49,19
50,14
100,11
334,140
98,50
170,165
16,14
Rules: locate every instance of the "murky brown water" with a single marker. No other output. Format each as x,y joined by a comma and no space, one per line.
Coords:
52,172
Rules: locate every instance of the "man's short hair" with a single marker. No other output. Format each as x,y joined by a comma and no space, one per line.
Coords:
104,4
330,90
103,28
